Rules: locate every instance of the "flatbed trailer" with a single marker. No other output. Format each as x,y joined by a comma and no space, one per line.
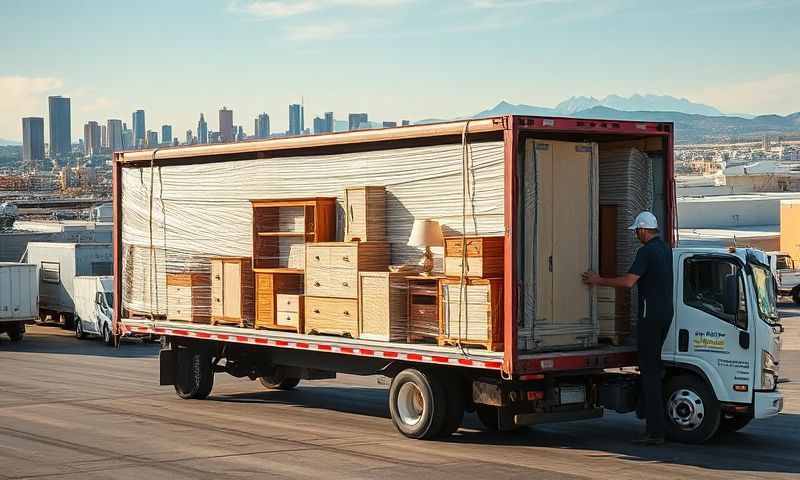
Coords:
508,388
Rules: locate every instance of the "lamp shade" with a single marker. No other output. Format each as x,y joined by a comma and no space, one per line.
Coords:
426,233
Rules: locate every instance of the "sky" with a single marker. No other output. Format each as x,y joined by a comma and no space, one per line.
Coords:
395,59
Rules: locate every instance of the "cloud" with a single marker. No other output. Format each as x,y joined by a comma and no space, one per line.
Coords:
778,93
270,9
22,96
317,32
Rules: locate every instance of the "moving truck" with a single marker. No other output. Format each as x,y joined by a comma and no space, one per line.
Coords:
295,258
58,265
19,298
94,300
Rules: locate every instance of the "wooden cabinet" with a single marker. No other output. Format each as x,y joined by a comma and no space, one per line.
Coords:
383,306
332,268
473,316
484,256
232,291
333,316
365,214
613,311
423,309
278,301
189,297
282,227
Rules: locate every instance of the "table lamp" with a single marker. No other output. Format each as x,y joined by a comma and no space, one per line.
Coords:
426,233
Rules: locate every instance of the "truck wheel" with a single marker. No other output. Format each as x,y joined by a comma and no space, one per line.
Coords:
67,321
456,404
79,333
796,296
692,410
16,332
108,338
733,424
279,382
194,377
418,404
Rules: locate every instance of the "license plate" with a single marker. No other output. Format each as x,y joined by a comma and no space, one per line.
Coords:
573,394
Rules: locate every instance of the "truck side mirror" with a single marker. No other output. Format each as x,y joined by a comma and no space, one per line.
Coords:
731,294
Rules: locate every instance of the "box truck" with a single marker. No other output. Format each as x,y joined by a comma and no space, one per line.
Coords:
94,299
58,265
445,256
19,298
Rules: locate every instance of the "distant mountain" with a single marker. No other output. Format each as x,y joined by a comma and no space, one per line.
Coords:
505,108
3,141
637,103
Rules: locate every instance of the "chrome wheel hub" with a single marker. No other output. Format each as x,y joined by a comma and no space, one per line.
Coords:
685,409
410,403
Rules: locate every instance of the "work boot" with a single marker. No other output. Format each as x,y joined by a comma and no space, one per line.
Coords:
649,440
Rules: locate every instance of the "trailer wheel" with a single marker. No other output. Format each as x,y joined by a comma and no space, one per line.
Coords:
734,424
279,382
16,332
692,410
418,404
194,376
79,333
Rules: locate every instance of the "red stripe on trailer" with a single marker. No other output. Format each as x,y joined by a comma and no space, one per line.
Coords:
324,347
440,359
241,338
261,340
389,354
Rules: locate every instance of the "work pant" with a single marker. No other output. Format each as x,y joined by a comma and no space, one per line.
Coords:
652,331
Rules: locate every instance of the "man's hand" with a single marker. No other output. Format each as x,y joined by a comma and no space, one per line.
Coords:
590,278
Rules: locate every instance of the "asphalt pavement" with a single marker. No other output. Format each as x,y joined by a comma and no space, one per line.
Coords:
76,409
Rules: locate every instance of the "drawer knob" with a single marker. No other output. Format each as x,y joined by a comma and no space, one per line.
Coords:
345,284
347,313
316,310
216,277
216,299
316,257
346,258
316,284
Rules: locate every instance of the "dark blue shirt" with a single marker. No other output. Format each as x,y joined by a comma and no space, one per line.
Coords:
653,265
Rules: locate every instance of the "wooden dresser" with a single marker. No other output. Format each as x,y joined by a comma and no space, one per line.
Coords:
474,317
365,214
278,300
331,283
189,297
232,291
423,308
383,306
484,256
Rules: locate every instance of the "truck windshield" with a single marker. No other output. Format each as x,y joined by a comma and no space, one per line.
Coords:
765,294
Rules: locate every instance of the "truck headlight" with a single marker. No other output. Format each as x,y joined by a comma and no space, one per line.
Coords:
769,371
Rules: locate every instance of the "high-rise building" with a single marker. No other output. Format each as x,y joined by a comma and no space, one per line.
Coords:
189,137
357,120
296,123
329,122
262,126
389,124
152,138
103,136
166,134
114,134
32,140
138,125
226,130
60,134
405,123
91,138
202,130
319,125
239,134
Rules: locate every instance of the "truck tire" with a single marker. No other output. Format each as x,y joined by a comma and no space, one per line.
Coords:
456,404
279,382
691,408
796,296
733,424
79,333
67,321
194,377
108,337
16,332
418,404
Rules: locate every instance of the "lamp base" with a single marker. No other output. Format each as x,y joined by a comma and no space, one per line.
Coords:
427,262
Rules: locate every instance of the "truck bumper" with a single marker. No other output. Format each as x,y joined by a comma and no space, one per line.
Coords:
767,404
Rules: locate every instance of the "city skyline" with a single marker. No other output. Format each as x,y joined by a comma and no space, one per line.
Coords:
393,58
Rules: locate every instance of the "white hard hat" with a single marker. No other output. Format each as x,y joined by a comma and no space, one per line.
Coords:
644,220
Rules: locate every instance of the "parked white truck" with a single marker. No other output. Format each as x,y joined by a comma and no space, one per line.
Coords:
786,274
59,264
19,298
94,299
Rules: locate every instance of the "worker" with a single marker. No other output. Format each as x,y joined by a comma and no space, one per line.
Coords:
652,273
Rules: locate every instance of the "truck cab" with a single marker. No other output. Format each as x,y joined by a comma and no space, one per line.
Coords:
723,350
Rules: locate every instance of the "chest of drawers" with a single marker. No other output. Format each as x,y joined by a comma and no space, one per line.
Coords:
332,316
332,267
279,300
383,306
189,297
232,291
473,316
484,256
423,308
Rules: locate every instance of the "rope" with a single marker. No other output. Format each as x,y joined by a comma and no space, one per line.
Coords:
466,156
152,256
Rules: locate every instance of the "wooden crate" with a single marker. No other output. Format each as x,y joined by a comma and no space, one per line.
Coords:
383,306
423,309
232,291
365,214
474,317
613,311
189,297
332,267
331,316
272,289
484,256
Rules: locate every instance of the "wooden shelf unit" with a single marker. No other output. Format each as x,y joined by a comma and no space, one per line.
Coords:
273,311
282,227
423,308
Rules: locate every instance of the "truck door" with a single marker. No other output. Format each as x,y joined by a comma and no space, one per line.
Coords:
712,324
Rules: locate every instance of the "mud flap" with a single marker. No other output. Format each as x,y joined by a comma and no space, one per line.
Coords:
168,360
